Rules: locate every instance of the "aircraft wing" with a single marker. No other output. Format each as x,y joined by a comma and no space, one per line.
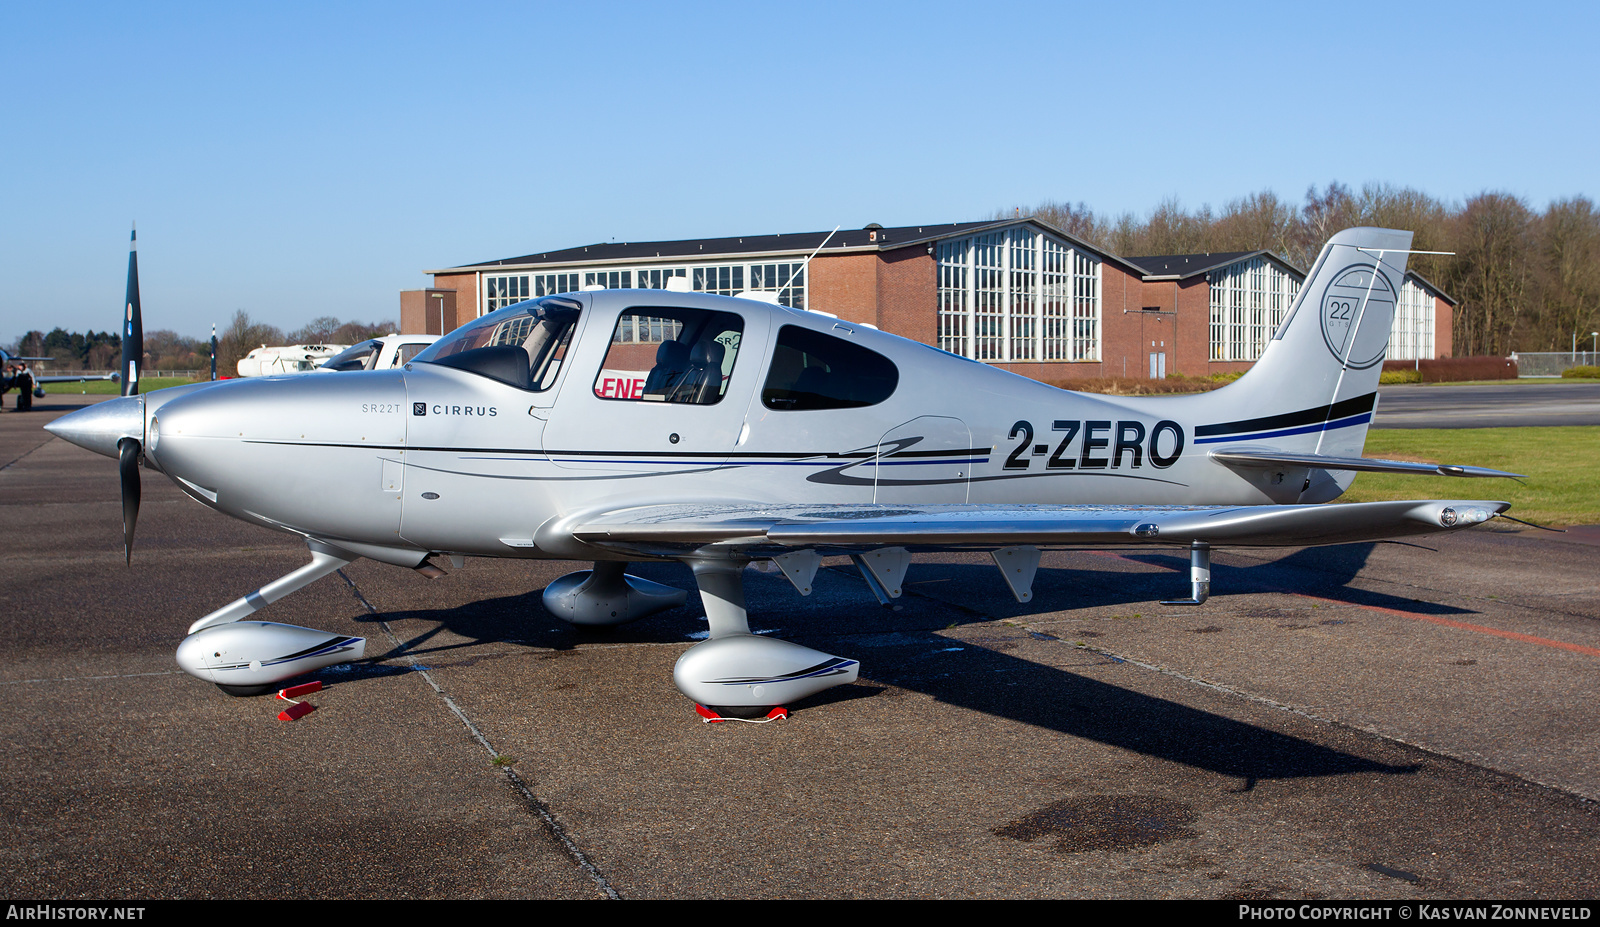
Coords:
65,378
765,531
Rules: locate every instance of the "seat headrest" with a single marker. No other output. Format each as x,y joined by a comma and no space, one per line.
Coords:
672,353
708,353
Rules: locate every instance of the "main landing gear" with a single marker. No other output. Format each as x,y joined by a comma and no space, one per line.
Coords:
734,673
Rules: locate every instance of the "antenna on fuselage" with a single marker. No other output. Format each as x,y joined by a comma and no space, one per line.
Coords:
807,262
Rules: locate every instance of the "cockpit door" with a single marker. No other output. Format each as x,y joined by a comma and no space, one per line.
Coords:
658,388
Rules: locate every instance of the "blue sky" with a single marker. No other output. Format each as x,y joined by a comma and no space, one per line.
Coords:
305,160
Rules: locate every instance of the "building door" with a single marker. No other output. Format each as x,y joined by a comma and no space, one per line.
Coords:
1158,365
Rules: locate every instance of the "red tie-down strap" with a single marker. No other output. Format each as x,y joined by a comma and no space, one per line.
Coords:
712,717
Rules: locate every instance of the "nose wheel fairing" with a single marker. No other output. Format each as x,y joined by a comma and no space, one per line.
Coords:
248,654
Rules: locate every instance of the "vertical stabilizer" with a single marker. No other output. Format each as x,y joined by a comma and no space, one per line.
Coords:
1314,390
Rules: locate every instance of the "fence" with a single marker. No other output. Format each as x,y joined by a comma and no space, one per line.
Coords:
147,374
1551,363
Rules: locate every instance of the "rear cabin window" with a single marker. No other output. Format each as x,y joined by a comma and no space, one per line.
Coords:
670,355
811,370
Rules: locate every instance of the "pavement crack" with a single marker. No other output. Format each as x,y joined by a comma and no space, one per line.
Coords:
535,804
7,465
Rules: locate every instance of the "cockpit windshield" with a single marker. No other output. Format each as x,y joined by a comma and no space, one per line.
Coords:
523,344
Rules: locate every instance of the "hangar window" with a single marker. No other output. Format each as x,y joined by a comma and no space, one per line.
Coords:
812,370
1411,337
656,278
1018,294
500,292
725,280
551,284
670,355
1248,302
785,278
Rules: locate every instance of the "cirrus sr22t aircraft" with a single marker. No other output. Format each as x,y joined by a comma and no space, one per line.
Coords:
627,425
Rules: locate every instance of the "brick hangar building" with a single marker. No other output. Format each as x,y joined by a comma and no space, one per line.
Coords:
1017,293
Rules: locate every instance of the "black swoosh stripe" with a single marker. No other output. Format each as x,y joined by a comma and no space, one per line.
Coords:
1312,416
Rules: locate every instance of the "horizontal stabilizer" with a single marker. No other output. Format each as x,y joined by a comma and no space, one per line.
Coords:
1256,459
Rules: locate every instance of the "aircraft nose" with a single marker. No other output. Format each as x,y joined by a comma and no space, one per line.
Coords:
99,427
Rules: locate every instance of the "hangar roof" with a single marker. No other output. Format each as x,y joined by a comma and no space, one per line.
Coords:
805,242
1184,266
789,243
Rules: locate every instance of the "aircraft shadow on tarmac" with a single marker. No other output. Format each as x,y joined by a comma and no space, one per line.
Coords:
898,649
1325,572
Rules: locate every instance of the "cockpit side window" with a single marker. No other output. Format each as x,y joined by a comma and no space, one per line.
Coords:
408,351
811,370
523,345
661,354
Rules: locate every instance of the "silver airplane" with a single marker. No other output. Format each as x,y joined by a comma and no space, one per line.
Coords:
639,425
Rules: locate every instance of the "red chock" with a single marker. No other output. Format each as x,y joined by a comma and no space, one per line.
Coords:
304,688
296,711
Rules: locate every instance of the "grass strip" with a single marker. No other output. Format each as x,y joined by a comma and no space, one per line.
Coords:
1562,488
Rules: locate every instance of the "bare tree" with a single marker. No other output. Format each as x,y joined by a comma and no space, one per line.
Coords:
1490,272
240,338
1259,221
1566,273
318,331
1323,214
1521,281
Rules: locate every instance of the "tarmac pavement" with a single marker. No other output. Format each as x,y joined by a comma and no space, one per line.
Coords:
1483,405
1366,721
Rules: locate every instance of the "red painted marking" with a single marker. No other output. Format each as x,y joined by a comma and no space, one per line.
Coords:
1481,629
1446,622
297,710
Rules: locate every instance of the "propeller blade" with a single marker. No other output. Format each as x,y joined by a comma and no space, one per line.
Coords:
128,468
132,324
